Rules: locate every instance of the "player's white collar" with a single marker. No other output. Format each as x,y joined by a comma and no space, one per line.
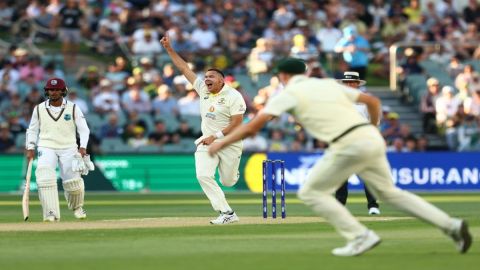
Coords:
64,103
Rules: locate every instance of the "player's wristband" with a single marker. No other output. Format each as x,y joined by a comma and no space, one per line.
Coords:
219,134
30,146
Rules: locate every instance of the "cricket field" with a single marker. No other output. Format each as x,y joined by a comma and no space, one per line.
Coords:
172,231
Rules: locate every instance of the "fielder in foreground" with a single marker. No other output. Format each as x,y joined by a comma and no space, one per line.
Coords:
326,109
53,129
222,108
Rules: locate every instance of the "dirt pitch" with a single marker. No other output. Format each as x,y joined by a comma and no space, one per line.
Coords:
165,222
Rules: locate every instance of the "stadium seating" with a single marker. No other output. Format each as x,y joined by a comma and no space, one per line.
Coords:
193,121
114,145
170,122
20,141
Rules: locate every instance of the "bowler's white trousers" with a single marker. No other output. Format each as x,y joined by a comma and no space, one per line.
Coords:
227,160
361,152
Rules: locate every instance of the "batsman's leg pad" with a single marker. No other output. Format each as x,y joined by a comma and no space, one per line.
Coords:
74,192
48,191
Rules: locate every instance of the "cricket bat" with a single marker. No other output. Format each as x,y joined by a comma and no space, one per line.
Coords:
26,191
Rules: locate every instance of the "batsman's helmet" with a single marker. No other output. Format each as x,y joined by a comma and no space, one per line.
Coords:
56,83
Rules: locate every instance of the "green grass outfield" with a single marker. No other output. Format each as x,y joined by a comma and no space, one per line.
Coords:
171,231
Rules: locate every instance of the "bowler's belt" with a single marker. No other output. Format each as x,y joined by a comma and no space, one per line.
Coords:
348,131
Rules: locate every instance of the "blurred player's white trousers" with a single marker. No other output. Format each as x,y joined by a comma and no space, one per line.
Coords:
227,160
361,152
62,157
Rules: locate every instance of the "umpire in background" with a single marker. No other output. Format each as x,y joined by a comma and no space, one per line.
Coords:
352,79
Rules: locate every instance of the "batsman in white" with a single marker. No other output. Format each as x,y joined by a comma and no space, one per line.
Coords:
326,109
53,131
222,108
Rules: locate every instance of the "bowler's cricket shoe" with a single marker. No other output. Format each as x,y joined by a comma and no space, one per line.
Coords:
225,218
79,213
374,211
461,236
359,245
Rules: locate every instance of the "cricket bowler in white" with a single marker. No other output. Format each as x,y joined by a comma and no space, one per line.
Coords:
53,131
222,108
326,109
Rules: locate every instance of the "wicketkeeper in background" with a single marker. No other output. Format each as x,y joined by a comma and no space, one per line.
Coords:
53,130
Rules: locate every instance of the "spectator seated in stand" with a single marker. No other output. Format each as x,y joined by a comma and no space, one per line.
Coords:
7,144
111,129
159,136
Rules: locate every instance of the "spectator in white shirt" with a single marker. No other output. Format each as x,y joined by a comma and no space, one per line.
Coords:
147,46
446,106
107,100
189,104
255,143
135,99
203,38
328,36
164,104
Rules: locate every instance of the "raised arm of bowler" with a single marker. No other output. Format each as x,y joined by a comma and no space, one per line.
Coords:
222,108
326,109
53,131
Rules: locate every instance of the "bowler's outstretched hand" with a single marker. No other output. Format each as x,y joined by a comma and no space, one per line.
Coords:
165,41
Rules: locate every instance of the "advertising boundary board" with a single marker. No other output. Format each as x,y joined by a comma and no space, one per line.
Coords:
431,171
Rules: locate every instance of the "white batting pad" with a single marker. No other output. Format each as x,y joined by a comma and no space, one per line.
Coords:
74,192
48,191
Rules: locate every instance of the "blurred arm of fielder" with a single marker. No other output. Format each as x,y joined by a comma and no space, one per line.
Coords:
177,60
243,131
235,121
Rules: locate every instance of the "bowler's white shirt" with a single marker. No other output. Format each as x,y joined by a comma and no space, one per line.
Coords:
217,109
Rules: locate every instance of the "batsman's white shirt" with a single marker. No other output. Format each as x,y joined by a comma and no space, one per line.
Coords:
56,127
327,109
53,130
216,111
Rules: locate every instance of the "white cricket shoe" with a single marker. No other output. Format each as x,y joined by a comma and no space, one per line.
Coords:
224,218
461,236
374,211
50,217
359,245
79,213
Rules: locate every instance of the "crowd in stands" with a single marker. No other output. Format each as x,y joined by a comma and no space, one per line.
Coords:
139,96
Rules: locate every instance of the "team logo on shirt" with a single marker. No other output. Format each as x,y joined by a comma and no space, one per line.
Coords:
211,109
221,101
67,117
211,116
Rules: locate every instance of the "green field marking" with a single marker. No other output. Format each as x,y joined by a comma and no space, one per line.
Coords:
242,201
